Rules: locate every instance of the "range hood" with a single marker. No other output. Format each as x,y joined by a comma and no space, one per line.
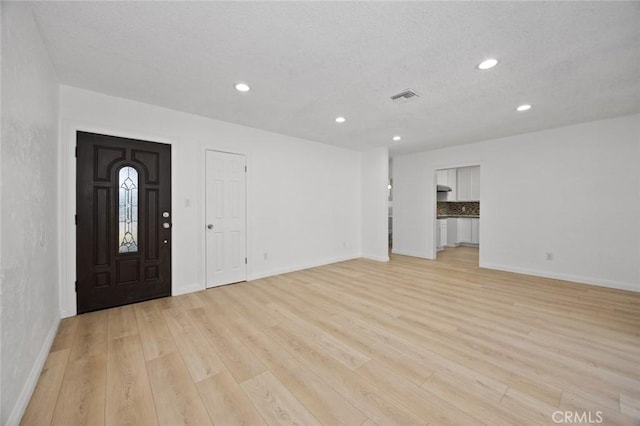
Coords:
443,188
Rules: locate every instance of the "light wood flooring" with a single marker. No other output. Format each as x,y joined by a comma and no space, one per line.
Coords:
353,343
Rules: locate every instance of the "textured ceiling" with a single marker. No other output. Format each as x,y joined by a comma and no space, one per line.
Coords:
308,62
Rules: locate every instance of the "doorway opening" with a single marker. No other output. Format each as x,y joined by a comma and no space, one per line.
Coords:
457,215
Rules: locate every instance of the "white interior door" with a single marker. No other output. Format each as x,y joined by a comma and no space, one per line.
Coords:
225,218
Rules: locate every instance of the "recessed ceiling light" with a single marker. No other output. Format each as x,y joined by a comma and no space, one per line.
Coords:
340,119
242,87
523,107
396,138
487,63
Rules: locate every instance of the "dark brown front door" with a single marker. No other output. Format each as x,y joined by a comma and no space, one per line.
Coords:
124,221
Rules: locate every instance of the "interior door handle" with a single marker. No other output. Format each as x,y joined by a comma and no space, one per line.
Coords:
209,226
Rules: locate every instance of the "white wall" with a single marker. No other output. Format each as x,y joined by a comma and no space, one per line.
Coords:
572,191
303,198
375,199
29,227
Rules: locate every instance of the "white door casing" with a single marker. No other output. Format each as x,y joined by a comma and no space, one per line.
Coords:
225,227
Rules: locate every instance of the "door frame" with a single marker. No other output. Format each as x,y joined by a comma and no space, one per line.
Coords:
203,211
434,204
67,173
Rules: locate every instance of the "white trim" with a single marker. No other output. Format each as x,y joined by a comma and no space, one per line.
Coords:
422,255
376,257
184,289
566,277
300,267
67,314
30,384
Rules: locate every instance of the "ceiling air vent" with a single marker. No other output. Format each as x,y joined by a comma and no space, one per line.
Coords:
405,96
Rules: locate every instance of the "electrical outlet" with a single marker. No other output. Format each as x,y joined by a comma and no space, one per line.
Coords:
549,256
266,256
344,244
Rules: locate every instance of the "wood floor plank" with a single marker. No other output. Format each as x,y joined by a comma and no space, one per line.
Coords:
240,362
325,342
630,405
197,352
410,341
176,398
428,406
82,395
276,404
577,404
191,300
122,322
43,401
361,393
243,301
90,336
128,400
155,336
66,334
226,402
530,410
328,406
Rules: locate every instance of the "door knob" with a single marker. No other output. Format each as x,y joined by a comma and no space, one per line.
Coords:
209,226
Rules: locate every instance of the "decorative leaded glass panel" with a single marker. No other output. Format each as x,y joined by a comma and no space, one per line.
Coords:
128,210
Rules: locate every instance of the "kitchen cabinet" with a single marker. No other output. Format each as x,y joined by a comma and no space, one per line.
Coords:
442,233
475,231
468,230
452,231
464,230
448,178
468,183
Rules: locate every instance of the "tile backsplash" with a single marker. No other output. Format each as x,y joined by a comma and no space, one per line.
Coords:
454,208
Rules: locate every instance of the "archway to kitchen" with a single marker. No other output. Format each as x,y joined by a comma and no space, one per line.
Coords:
457,214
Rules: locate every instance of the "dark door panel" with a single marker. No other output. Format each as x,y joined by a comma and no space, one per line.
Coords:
124,214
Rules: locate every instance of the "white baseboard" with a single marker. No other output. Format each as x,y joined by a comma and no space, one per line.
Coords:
566,277
184,289
299,267
376,257
412,253
67,314
256,276
34,375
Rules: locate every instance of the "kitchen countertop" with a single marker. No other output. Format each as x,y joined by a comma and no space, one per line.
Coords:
458,216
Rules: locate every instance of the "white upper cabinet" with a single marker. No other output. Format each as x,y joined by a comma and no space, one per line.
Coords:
468,180
448,178
452,177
